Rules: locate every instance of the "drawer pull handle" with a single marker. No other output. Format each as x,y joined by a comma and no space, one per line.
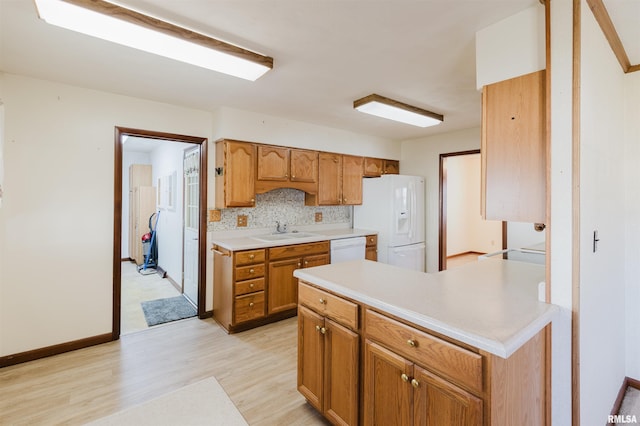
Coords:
412,343
251,285
321,329
251,271
251,305
323,301
415,383
306,262
404,377
252,256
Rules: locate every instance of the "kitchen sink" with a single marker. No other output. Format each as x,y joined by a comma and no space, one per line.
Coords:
285,236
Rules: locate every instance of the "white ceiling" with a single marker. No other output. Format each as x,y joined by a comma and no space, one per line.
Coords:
326,54
625,15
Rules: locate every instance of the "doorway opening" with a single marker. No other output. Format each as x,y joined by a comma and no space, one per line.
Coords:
463,234
168,209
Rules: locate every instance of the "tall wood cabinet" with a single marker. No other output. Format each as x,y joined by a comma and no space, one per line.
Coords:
514,149
142,204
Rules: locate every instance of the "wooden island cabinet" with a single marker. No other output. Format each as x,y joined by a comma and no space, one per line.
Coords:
362,360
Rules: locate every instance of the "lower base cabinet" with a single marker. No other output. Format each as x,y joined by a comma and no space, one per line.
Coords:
409,375
328,363
422,398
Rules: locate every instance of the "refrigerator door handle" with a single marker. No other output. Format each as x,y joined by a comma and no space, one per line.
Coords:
412,215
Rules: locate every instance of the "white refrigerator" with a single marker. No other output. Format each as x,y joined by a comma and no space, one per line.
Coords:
394,206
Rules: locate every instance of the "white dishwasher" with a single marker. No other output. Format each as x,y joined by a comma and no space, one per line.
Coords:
345,249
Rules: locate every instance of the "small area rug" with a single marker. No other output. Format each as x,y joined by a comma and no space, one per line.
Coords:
198,404
170,309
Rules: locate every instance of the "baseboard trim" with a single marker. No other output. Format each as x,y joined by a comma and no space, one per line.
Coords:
173,283
206,314
48,351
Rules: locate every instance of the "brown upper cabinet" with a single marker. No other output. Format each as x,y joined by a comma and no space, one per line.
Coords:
373,167
376,167
279,167
391,167
235,174
514,149
339,180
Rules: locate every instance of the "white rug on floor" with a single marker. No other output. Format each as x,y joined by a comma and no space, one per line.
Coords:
199,404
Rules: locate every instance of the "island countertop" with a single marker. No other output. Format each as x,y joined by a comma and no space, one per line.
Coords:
491,304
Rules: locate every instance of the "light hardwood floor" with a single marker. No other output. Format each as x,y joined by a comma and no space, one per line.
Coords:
138,288
462,259
256,368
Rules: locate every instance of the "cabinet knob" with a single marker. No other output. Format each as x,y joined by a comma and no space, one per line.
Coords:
323,301
306,262
251,285
293,176
323,330
253,200
404,377
251,305
412,343
251,271
299,264
415,383
252,256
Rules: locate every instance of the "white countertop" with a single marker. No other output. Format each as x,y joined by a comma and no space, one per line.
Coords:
492,305
243,240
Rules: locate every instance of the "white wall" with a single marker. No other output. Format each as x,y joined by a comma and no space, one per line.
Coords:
254,127
166,159
56,222
466,230
421,157
602,202
129,158
632,254
500,57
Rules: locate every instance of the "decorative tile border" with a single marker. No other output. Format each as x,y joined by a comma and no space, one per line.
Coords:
284,205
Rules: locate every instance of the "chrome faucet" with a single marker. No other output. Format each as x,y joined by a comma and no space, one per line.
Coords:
281,228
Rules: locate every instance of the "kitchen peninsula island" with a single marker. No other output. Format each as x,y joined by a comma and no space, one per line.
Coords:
379,344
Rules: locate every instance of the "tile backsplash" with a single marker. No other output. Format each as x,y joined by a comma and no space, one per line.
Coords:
284,205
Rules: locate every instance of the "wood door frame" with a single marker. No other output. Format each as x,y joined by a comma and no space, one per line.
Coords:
117,217
442,221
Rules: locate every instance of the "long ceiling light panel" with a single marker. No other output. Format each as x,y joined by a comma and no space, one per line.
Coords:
127,27
393,110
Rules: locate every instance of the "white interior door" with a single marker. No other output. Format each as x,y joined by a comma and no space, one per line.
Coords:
191,223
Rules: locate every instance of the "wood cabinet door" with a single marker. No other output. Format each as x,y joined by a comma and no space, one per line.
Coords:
438,402
373,167
371,253
387,390
282,285
273,163
239,176
311,357
304,165
352,169
341,374
514,149
391,167
329,179
318,260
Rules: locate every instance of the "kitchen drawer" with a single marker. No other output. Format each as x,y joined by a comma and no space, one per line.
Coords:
249,272
452,362
250,257
340,310
372,240
249,286
284,252
248,307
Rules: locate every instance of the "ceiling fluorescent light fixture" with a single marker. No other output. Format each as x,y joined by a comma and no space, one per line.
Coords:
397,111
127,27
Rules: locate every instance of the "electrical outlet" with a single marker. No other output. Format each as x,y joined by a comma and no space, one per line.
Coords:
318,216
215,215
242,220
